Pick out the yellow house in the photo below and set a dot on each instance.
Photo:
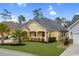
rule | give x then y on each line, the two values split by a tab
40	29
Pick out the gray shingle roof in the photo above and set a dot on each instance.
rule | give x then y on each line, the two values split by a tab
49	24
12	25
46	23
23	25
75	18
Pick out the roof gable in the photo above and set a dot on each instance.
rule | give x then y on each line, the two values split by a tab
49	24
35	26
46	23
75	18
74	21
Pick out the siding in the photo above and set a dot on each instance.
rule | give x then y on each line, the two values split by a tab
35	27
54	34
74	29
25	29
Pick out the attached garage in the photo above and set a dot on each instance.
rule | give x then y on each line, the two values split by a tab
75	37
74	30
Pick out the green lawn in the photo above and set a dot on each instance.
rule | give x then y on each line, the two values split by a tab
42	49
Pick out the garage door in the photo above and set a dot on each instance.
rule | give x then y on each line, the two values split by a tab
75	38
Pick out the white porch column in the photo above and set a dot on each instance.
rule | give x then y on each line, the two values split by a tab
57	36
45	37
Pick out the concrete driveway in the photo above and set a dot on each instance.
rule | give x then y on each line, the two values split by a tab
6	52
72	50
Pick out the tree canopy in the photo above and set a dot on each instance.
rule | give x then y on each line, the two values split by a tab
6	14
3	29
21	19
38	13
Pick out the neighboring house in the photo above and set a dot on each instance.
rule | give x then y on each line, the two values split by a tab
74	29
40	29
11	25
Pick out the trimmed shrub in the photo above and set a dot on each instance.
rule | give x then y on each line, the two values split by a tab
24	38
42	40
61	41
39	39
52	39
66	41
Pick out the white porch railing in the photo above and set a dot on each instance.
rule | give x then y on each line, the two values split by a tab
38	38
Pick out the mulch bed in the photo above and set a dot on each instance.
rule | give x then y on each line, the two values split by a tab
63	46
15	44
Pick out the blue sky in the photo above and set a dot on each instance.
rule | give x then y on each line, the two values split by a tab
50	10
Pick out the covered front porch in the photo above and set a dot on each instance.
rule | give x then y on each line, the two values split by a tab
39	36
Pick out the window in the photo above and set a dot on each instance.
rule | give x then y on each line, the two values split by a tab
43	34
63	34
30	33
34	33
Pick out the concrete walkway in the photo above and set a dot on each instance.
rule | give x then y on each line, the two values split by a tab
6	52
72	50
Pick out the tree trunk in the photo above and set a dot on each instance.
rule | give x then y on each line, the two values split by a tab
19	41
2	40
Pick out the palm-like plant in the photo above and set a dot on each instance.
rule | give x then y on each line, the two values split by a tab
58	20
3	29
67	23
24	36
18	35
21	19
6	14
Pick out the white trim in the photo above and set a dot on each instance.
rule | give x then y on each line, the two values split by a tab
73	24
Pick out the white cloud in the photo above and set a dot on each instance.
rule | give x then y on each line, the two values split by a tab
77	13
50	8
52	12
14	18
21	4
